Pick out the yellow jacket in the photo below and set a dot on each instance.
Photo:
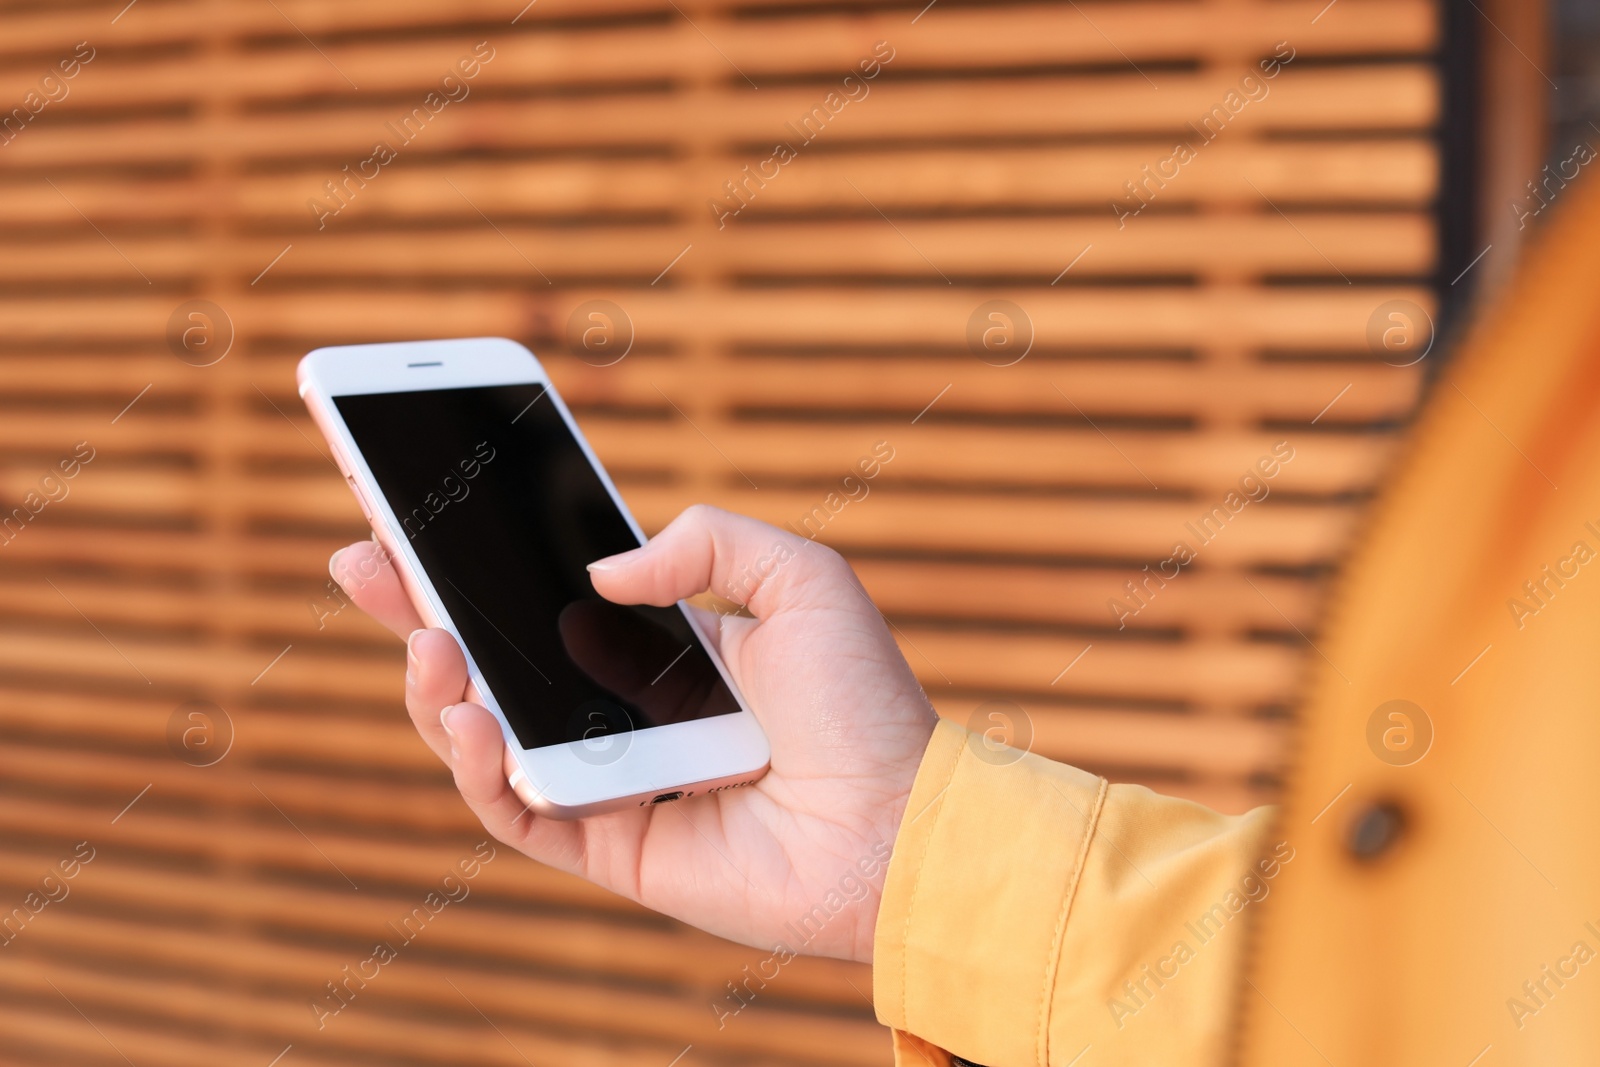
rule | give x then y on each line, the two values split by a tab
1430	891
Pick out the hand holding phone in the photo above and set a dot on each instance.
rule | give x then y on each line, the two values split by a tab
592	718
764	865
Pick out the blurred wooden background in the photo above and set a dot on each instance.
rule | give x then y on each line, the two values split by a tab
187	560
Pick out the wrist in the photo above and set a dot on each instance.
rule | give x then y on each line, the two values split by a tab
894	819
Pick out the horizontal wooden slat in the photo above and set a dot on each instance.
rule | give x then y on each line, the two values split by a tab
1141	743
1151	29
1073	453
1334	318
993	459
1391	98
1079	177
133	658
997	458
1243	672
1200	600
1285	533
165	549
1138	528
801	42
272	851
1263	243
841	382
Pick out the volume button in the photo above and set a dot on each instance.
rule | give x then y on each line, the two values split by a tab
361	498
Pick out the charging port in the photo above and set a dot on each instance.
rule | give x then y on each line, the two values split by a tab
664	797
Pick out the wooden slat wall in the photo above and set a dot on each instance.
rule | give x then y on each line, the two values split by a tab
830	314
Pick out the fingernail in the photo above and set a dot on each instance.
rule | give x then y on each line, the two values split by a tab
444	720
621	559
412	662
333	563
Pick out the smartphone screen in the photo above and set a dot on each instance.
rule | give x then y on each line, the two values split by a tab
504	512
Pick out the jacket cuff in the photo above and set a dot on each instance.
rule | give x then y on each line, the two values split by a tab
1031	911
977	897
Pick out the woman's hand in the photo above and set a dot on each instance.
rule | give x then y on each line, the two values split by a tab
780	862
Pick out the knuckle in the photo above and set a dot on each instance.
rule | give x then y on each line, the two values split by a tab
825	561
423	716
699	514
503	832
480	792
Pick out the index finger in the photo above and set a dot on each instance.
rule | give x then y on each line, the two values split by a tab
364	571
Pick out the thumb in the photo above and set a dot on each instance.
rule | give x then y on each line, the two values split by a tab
736	557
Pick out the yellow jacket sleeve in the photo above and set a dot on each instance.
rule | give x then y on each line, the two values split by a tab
1034	914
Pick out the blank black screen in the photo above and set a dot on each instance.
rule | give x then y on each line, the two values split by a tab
504	511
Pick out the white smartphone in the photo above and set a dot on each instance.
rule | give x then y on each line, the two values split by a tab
490	504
